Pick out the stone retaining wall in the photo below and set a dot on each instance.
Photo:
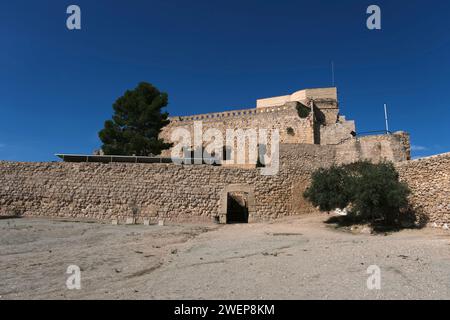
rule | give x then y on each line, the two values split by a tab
156	191
429	180
195	192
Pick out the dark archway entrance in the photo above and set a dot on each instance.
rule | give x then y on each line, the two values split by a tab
242	200
237	207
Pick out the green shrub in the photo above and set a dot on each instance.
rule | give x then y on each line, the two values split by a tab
378	194
290	131
303	111
373	192
328	189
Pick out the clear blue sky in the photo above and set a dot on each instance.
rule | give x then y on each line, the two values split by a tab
57	86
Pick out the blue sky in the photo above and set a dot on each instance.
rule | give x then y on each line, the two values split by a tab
57	86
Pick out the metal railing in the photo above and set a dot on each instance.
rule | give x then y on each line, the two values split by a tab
361	134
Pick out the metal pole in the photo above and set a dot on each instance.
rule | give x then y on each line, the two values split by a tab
332	73
386	118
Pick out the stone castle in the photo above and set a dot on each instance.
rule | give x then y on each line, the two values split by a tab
313	135
322	124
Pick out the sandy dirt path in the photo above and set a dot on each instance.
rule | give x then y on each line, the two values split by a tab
298	258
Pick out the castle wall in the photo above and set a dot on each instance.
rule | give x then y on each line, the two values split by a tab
429	180
325	126
198	192
326	111
280	118
299	96
156	191
376	148
195	192
274	101
336	133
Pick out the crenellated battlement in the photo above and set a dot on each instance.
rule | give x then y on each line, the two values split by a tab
218	116
326	98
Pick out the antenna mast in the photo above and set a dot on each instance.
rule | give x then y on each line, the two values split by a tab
386	118
332	73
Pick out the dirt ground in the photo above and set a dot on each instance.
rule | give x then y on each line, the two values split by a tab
298	258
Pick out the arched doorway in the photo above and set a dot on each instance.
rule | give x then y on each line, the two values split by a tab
237	204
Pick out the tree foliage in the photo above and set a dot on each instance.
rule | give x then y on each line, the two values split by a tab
329	189
372	192
303	111
137	121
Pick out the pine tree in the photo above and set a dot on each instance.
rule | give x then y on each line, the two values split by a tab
136	123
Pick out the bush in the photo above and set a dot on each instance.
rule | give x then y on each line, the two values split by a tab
373	192
290	131
303	111
328	189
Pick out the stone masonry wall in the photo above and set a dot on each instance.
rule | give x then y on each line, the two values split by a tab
336	133
195	192
429	180
376	148
280	118
155	191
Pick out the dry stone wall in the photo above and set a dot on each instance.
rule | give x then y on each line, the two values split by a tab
156	191
195	192
429	180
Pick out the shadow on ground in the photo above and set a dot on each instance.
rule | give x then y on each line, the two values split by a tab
10	217
411	218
